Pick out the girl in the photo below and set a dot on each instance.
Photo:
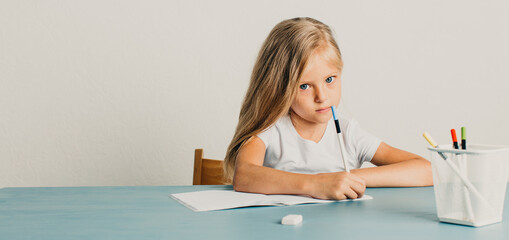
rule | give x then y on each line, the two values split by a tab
285	141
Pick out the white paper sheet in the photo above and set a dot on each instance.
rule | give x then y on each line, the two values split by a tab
225	199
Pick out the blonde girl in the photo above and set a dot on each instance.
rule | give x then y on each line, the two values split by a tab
285	140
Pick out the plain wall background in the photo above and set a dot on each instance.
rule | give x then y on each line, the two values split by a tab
122	92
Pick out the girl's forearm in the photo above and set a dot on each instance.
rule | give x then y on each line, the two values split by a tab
410	173
260	179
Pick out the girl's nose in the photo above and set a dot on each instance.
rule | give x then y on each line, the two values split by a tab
320	95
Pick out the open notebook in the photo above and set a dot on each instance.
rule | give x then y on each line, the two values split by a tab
225	199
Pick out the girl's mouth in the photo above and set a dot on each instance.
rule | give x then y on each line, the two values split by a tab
323	110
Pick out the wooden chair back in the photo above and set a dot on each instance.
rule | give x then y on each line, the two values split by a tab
207	171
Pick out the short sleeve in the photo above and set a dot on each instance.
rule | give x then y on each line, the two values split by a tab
361	143
266	136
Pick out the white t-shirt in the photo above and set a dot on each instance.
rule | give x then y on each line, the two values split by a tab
286	150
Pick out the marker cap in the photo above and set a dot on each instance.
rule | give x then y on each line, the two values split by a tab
429	139
453	133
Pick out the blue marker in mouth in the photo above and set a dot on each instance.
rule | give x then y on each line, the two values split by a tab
336	121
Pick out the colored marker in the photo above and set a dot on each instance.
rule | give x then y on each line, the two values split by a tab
454	139
340	139
463	138
461	166
433	144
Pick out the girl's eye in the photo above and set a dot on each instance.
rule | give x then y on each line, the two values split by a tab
329	79
304	86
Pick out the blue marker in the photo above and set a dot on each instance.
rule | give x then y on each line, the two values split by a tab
340	139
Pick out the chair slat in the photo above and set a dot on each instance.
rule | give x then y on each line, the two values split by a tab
207	171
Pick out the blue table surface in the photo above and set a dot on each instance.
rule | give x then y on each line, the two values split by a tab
148	212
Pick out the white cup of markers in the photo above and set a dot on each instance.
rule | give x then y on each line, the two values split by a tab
470	183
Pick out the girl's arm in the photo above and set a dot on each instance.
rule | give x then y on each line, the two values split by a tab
251	176
396	168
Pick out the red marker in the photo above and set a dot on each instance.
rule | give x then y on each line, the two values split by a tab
454	139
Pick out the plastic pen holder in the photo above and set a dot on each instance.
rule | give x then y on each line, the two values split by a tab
470	185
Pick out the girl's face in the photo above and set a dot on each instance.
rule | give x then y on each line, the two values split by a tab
319	89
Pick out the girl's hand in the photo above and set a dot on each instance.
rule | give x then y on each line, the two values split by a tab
337	186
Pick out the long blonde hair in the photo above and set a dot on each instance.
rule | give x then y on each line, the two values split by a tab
275	78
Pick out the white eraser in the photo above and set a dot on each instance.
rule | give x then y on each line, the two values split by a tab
292	219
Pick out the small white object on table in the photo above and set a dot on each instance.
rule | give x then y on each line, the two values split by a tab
291	219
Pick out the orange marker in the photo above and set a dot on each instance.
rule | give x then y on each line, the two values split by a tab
454	139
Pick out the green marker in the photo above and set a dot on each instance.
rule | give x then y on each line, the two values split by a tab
463	138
